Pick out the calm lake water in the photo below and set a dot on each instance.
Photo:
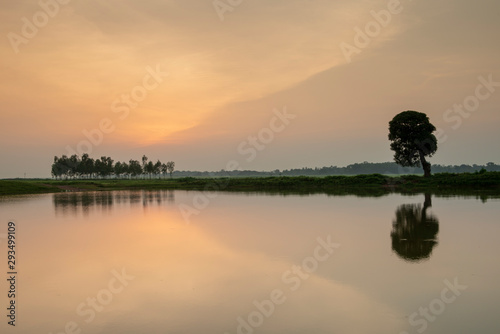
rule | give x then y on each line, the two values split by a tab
173	262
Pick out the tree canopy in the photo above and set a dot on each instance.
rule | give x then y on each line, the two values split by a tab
412	139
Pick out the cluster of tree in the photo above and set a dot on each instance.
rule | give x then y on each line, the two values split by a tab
105	167
353	169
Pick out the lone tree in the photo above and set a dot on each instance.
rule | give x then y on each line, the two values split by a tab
412	140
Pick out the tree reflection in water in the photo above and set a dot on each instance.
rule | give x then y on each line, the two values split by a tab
73	203
414	231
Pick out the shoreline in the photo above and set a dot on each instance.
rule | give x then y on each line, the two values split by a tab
364	183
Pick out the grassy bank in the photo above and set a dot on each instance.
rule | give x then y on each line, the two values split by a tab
371	183
17	187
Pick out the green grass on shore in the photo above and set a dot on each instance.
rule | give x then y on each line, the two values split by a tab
467	181
17	187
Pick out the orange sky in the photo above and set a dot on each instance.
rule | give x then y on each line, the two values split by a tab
225	78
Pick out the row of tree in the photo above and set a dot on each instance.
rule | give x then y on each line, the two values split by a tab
105	167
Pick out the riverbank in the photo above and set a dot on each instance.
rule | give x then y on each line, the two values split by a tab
327	184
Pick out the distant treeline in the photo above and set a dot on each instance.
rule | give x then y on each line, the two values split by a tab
86	167
353	169
105	167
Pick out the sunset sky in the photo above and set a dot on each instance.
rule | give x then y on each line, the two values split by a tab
191	80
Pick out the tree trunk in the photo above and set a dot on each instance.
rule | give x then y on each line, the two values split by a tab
427	204
426	165
428	201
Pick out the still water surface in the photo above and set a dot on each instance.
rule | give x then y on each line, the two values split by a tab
129	262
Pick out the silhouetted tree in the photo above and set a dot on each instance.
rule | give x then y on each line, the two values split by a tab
170	167
73	163
164	169
157	167
412	140
57	168
87	165
104	166
134	168
120	169
144	163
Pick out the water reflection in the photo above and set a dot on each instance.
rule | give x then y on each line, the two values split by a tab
414	231
240	250
72	203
